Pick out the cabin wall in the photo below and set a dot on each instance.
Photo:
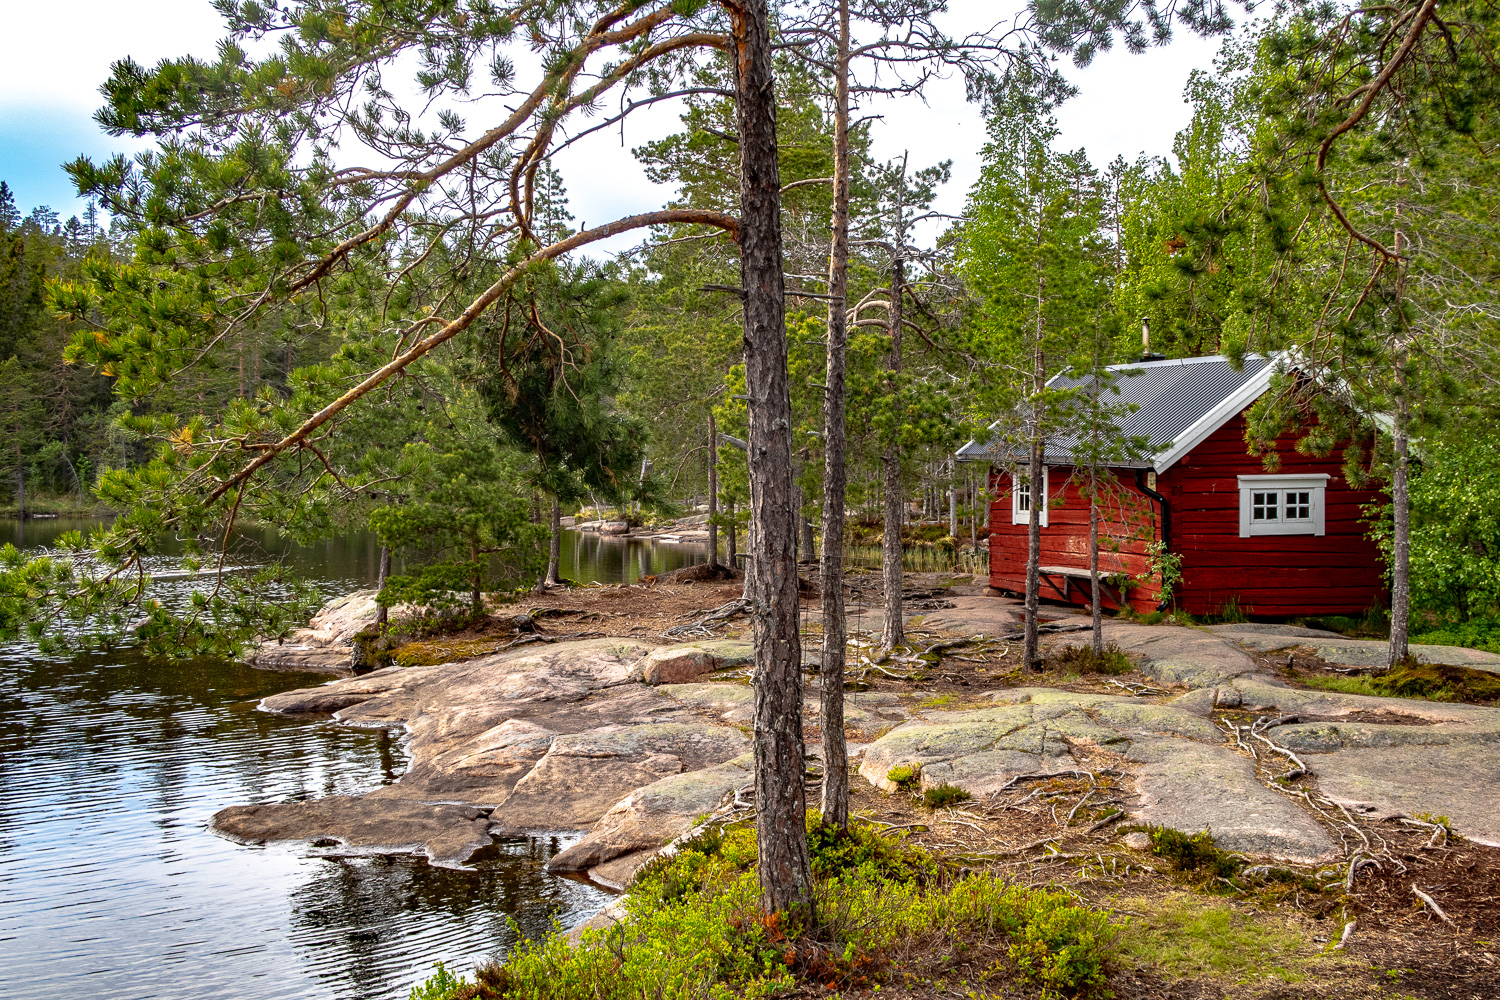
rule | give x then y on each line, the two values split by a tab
1128	524
1339	572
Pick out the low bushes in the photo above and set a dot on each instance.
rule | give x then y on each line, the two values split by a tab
1083	660
693	929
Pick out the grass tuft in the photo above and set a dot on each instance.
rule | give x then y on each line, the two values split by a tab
1083	660
939	796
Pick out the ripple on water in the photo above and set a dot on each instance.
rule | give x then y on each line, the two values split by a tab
110	886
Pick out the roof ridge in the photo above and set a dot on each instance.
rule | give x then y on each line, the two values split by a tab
1169	362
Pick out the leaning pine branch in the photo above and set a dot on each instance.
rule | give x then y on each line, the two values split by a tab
728	223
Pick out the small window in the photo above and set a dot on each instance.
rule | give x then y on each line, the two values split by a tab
1020	499
1282	505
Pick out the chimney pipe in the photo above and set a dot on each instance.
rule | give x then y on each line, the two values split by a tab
1145	334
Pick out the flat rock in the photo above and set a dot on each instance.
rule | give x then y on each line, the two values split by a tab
649	817
1176	654
1335	648
1458	782
583	775
1193	786
340	824
541	738
1187	777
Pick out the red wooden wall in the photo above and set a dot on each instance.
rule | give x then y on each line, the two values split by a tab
1338	572
1129	522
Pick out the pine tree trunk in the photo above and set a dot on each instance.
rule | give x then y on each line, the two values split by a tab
785	875
382	616
732	546
1033	552
1098	622
713	490
953	499
1038	490
554	547
807	545
894	632
1401	525
835	799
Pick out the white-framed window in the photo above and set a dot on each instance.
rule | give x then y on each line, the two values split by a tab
1020	499
1282	505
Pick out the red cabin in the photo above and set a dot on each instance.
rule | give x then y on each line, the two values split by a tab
1289	543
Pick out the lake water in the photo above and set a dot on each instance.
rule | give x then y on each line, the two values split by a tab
110	886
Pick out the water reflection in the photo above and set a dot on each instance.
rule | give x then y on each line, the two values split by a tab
590	558
110	766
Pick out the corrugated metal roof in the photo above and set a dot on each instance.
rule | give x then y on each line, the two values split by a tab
1169	399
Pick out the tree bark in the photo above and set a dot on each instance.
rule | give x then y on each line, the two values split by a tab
1401	524
894	632
382	574
713	490
1037	487
784	870
953	499
731	547
835	798
554	547
1098	620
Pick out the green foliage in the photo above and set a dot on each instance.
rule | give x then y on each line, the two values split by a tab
692	928
1164	567
1437	682
862	847
441	985
942	795
1455	523
1083	660
463	519
904	776
1476	633
1193	852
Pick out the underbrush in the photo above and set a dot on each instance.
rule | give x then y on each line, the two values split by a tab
1083	660
1194	853
1411	679
1476	633
692	928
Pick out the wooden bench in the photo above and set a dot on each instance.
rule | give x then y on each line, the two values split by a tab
1072	576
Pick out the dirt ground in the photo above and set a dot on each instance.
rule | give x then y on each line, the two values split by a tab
1187	935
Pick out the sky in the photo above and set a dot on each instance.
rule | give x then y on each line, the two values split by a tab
1127	105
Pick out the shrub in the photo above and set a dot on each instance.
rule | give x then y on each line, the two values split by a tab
1192	852
836	851
945	794
905	776
692	928
1083	660
1477	633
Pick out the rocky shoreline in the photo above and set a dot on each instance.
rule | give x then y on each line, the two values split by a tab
632	743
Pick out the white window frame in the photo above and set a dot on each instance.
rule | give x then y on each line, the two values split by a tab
1255	487
1019	515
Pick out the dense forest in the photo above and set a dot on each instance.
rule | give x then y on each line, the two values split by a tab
141	353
